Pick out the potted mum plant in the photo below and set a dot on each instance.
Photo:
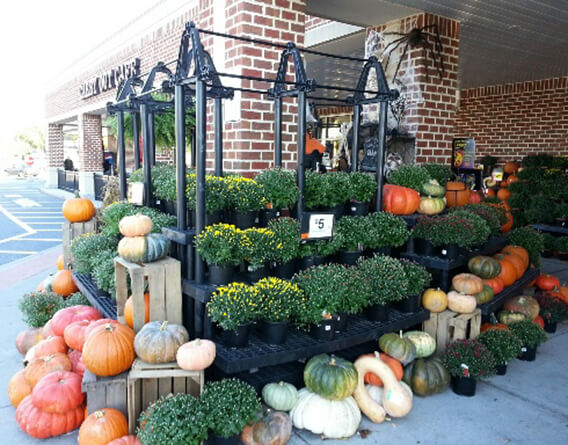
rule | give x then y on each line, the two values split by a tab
552	310
229	406
531	336
504	346
279	301
335	192
220	245
246	198
314	194
316	253
411	176
234	308
386	231
418	279
467	361
362	189
351	234
286	248
280	190
216	198
257	244
386	277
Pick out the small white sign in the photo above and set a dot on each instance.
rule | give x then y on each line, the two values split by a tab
137	193
321	226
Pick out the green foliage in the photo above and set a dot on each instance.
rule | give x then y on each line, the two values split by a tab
164	181
37	308
386	229
440	172
258	246
244	194
411	176
103	270
233	305
539	210
287	235
76	299
362	186
220	244
279	300
560	244
490	214
115	212
336	189
552	309
561	211
417	277
280	187
530	239
502	343
352	232
461	227
386	277
529	333
230	405
174	420
314	190
216	193
479	360
86	247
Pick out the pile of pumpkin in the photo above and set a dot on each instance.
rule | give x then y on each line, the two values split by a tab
138	244
377	385
61	282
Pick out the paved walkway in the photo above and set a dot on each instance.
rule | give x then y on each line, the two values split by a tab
527	406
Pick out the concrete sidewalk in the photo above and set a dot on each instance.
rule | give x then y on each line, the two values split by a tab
527	406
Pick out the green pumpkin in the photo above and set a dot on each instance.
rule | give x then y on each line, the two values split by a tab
486	295
426	376
424	343
484	267
433	188
159	341
398	347
280	396
330	377
508	317
431	206
143	249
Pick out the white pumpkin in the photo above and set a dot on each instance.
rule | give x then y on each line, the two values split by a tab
461	303
424	343
333	419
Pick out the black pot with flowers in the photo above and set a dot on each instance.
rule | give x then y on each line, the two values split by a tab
552	310
504	346
531	336
352	234
280	191
362	189
418	279
286	246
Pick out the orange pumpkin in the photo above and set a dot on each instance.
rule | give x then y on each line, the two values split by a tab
511	167
47	330
512	179
455	185
76	362
60	264
467	283
63	283
78	209
103	426
58	392
496	284
474	197
547	282
400	200
563	293
18	388
498	326
508	272
393	364
489	193
509	224
109	349
47	346
504	194
515	260
94	324
42	366
64	317
519	251
128	314
503	184
457	194
74	334
539	321
126	440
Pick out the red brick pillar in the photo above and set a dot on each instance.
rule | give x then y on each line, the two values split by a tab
90	152
55	153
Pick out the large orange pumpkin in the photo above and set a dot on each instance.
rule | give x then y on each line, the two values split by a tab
109	350
58	392
126	440
74	334
103	426
512	179
393	364
78	209
496	284
457	194
42	366
64	317
504	194
96	323
488	326
511	167
400	200
41	425
515	260
520	251
508	272
47	346
128	314
28	338
18	388
63	283
60	262
547	282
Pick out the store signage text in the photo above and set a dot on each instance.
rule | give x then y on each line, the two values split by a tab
109	79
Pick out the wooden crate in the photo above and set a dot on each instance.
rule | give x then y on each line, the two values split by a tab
448	326
164	286
105	392
71	231
148	382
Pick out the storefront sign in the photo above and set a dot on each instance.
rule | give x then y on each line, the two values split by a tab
109	79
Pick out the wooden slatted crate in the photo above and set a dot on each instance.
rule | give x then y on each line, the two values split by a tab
163	279
70	231
105	392
148	382
448	326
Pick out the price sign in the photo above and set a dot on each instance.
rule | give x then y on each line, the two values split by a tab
321	225
137	197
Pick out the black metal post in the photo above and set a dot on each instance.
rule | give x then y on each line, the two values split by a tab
193	149
218	137
383	109
301	151
200	124
179	101
355	142
152	138
136	140
278	132
121	155
146	155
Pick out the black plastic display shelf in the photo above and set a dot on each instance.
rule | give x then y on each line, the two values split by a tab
300	345
509	292
551	229
99	299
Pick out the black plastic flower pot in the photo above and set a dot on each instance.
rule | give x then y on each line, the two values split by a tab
348	257
561	222
464	386
210	218
386	250
244	220
409	304
285	270
307	262
238	338
501	369
450	251
338	211
550	327
320	259
358	208
377	312
528	354
221	274
257	274
423	247
272	332
265	215
218	440
341	321
325	331
170	207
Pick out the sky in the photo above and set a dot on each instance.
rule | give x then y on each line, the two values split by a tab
39	39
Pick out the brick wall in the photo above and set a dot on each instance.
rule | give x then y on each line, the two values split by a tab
513	120
90	143
315	22
55	145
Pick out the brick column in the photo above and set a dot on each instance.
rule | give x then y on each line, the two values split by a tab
434	100
90	152
55	153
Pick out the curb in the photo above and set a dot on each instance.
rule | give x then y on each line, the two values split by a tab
64	195
24	268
